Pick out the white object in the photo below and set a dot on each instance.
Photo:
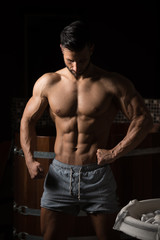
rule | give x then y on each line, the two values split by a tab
129	219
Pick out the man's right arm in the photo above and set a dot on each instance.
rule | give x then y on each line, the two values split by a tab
32	112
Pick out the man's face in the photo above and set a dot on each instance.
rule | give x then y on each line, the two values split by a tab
77	62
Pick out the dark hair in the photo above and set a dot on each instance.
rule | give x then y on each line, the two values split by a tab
75	36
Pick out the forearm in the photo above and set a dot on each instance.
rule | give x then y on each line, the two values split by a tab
28	139
137	131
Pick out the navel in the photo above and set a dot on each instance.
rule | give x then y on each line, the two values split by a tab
75	149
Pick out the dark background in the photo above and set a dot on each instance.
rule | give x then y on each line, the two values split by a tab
125	36
126	41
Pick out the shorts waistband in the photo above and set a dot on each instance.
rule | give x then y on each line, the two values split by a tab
88	167
76	168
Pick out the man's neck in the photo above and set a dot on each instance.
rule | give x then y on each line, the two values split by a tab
86	74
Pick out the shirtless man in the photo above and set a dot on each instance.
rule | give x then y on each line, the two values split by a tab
83	101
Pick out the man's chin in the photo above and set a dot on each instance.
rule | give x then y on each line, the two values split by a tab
76	75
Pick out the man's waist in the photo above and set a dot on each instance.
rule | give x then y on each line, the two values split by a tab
76	159
86	167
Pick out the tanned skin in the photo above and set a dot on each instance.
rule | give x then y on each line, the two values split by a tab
83	101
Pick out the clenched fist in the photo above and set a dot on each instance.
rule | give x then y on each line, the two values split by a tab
105	156
35	170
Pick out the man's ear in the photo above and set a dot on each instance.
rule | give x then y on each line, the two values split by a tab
62	48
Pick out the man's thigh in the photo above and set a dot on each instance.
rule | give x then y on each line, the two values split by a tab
56	225
103	225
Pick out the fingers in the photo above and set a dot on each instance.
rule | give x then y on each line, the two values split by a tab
104	156
39	172
100	157
36	171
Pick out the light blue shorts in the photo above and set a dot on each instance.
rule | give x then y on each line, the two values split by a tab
69	189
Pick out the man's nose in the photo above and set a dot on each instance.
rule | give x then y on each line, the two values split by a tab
75	67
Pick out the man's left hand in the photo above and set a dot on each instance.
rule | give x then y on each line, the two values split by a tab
105	156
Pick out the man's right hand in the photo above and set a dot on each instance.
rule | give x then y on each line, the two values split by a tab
35	170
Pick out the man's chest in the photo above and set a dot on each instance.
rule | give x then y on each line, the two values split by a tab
88	100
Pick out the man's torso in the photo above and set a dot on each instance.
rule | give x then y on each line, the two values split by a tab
83	112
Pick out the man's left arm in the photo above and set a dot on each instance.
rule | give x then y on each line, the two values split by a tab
134	108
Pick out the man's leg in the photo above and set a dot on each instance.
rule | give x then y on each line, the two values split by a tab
103	225
55	225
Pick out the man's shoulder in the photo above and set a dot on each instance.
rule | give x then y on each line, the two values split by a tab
54	77
114	82
106	75
46	81
114	79
49	78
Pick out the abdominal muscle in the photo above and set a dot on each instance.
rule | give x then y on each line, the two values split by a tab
75	153
76	147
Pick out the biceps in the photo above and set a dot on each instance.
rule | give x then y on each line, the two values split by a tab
34	108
